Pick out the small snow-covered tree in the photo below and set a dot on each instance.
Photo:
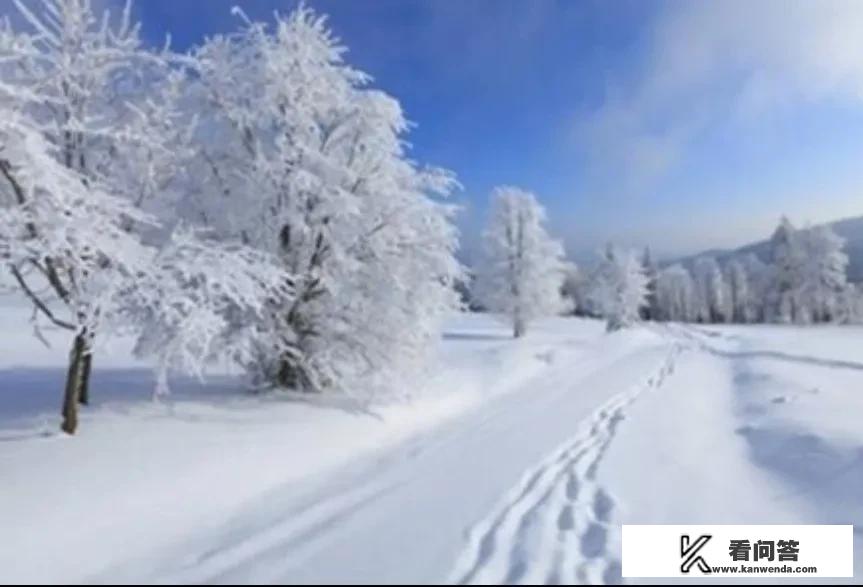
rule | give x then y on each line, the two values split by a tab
619	289
823	271
299	158
522	269
651	272
675	295
808	274
711	290
786	259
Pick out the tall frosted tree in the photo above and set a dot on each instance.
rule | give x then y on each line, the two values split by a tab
70	76
91	152
824	278
807	274
301	159
253	200
619	291
65	242
522	270
784	303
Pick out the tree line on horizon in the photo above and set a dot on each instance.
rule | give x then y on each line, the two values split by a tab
522	273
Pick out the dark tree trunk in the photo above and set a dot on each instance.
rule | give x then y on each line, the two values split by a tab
288	375
75	383
292	375
84	397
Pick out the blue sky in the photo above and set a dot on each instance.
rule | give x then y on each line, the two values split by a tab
679	125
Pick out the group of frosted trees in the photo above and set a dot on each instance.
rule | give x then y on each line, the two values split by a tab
801	280
523	275
249	200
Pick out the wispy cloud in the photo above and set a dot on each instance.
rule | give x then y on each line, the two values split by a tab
730	61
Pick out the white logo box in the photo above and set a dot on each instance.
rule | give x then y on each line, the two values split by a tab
664	550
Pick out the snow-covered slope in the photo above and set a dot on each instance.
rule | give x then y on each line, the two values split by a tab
142	476
515	462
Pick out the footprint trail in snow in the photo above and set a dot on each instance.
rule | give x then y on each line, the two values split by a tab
558	526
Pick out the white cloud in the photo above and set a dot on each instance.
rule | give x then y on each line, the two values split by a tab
706	61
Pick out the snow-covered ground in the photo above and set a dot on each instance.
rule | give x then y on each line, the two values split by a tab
515	461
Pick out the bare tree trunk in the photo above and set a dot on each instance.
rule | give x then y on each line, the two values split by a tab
84	396
74	383
288	376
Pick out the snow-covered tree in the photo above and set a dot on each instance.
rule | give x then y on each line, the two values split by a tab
522	269
823	273
710	290
808	274
92	146
65	81
65	242
253	200
299	158
675	295
619	289
651	272
786	259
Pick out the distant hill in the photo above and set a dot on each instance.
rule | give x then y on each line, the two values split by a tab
851	229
